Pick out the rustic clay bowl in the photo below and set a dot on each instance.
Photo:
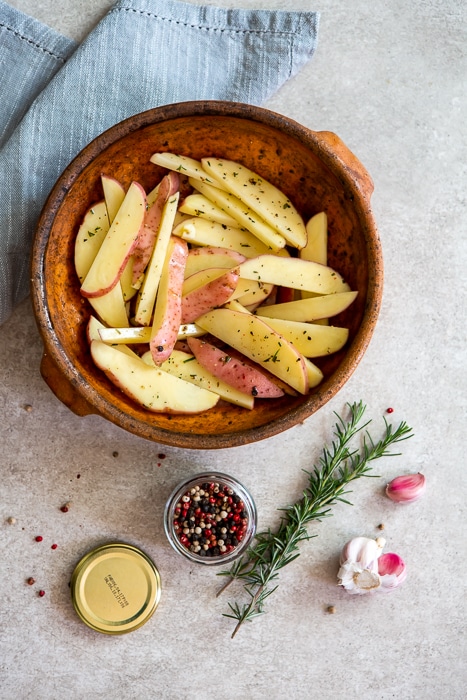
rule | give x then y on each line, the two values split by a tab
315	169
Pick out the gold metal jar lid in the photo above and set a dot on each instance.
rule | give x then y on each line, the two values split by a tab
115	588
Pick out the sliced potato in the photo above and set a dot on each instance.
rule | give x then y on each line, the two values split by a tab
186	366
142	334
233	370
209	257
111	307
260	195
168	187
258	341
168	307
184	166
294	273
201	278
316	248
250	292
198	205
211	295
151	387
244	215
311	339
94	329
307	310
147	296
117	246
210	233
90	237
314	374
114	194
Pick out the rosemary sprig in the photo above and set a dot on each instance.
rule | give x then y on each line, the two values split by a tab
338	466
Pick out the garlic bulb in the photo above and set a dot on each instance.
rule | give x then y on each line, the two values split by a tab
406	489
365	569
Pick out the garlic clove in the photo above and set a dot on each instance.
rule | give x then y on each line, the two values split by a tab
365	569
392	571
356	580
363	551
406	489
358	572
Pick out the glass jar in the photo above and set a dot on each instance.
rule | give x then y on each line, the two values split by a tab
210	518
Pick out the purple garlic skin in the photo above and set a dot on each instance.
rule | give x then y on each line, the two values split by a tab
407	488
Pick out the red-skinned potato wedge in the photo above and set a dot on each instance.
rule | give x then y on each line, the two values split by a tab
146	298
150	386
117	246
168	309
256	340
238	373
208	297
183	364
168	186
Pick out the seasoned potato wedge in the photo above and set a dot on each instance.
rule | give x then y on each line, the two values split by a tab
151	387
255	339
265	199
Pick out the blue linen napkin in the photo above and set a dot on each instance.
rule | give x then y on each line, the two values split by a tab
57	96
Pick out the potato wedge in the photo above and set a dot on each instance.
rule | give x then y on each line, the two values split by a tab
168	308
251	336
314	374
208	257
117	246
234	371
249	292
93	331
307	310
150	387
168	187
316	248
198	205
111	307
183	165
293	273
245	216
89	238
142	334
310	339
210	233
209	296
263	197
147	295
185	366
114	194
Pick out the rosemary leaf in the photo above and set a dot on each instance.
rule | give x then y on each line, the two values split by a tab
327	484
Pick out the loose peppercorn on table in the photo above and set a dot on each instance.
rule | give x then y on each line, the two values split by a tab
389	80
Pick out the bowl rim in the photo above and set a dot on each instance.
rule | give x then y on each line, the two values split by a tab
323	145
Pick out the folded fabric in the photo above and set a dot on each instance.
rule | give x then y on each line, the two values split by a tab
57	96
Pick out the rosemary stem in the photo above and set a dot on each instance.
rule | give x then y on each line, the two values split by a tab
327	482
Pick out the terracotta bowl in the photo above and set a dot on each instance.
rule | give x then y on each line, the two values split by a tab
315	169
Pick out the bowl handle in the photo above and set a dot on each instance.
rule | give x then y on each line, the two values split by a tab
348	160
63	390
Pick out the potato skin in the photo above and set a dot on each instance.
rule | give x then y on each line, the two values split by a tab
209	296
234	371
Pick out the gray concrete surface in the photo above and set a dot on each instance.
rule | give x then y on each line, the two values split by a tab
389	78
